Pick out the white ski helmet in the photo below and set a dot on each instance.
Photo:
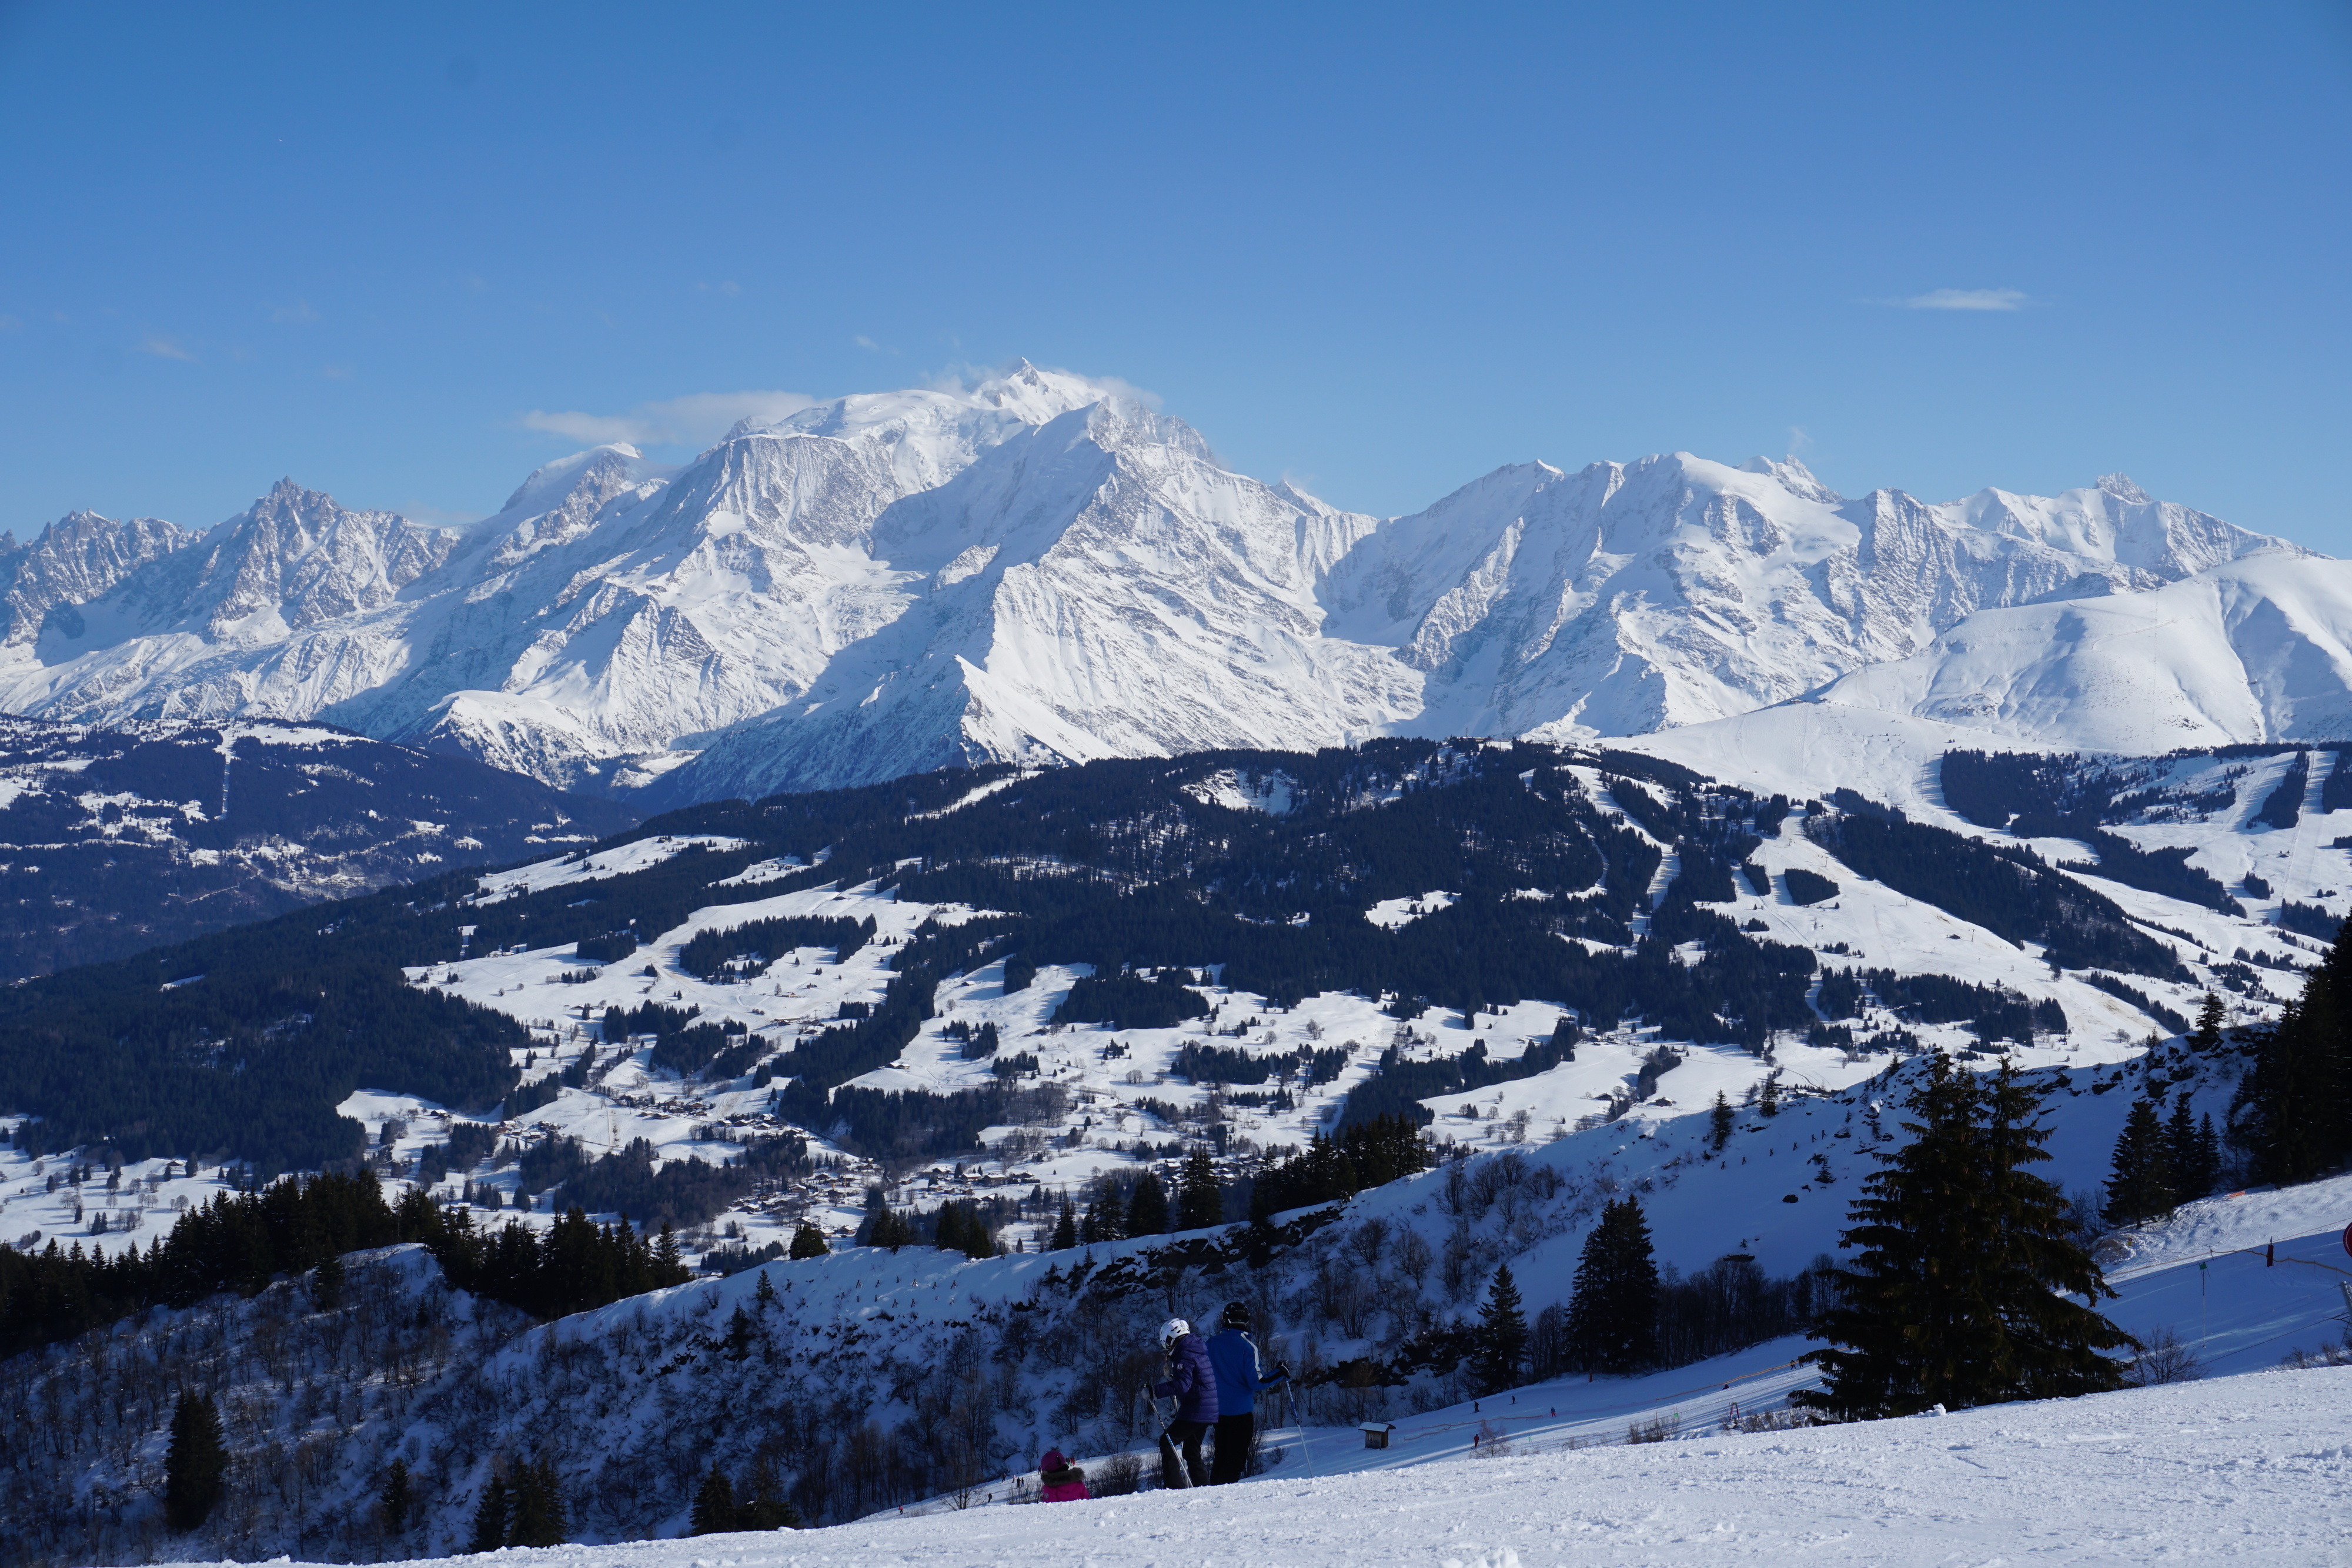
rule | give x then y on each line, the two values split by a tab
1171	1331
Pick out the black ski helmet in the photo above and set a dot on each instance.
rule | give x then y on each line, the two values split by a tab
1236	1316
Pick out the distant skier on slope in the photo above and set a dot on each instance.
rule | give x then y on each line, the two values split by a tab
1194	1383
1240	1379
1063	1481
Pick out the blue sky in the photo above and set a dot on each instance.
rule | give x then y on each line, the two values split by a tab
395	252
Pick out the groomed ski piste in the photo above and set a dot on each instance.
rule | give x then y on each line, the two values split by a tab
2246	1461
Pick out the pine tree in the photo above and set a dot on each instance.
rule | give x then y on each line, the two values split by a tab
490	1516
763	1294
2206	1038
2141	1185
1199	1201
714	1505
2184	1153
396	1498
669	1269
327	1284
1613	1309
196	1464
537	1507
1065	1229
808	1241
1502	1334
1719	1122
764	1506
1768	1103
1109	1215
2298	1097
1964	1265
1146	1209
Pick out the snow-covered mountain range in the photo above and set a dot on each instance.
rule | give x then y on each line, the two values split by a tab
1039	569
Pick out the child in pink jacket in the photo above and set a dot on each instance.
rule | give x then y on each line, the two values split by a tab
1062	1480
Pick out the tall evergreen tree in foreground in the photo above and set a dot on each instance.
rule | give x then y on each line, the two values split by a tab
1612	1312
196	1464
2294	1109
1960	1291
1502	1334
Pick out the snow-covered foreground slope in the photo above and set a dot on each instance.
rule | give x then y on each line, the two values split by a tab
2250	1469
1039	567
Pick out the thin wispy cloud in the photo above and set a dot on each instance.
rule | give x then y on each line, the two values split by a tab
1969	299
166	349
862	341
298	312
696	420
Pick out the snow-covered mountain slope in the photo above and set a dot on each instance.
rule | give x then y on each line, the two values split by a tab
116	840
78	559
2252	650
1041	568
864	1375
1627	598
609	608
1096	587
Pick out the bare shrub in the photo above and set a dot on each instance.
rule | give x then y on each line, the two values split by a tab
2163	1358
1656	1429
2336	1354
1117	1476
1412	1258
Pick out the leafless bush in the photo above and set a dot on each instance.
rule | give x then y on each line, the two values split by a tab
2163	1359
1657	1429
1412	1258
1117	1476
2336	1354
1780	1420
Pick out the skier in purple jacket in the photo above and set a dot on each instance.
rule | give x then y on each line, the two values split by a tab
1194	1382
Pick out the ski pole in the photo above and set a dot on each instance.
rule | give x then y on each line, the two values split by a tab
1305	1452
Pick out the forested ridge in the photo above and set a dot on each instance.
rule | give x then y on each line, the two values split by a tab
239	1045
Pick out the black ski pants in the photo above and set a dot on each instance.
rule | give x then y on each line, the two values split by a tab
1233	1434
1191	1469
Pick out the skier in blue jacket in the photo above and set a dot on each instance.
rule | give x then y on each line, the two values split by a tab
1194	1382
1240	1379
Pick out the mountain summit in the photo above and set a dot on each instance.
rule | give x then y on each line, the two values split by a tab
1041	568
